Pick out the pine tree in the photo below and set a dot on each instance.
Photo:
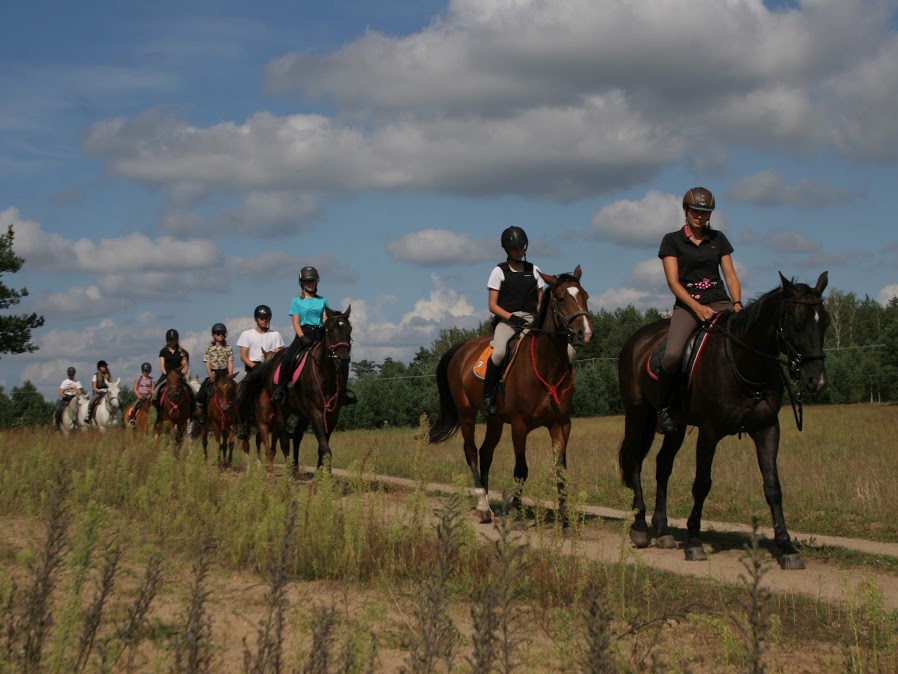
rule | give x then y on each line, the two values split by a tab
15	331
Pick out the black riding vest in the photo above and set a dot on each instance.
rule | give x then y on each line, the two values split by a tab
518	291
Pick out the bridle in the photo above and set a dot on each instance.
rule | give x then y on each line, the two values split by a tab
330	404
564	321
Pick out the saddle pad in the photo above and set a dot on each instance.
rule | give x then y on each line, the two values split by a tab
480	365
296	372
691	353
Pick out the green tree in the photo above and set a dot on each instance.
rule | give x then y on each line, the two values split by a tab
15	331
28	407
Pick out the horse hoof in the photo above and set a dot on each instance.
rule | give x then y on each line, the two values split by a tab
791	562
696	554
641	539
666	542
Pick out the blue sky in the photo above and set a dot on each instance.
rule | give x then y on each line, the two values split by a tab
175	164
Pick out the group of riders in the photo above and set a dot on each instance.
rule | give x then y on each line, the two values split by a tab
697	265
307	312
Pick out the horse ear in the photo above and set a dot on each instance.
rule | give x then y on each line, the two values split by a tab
821	282
346	313
548	278
786	283
118	381
578	273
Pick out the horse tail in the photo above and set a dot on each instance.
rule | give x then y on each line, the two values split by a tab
447	422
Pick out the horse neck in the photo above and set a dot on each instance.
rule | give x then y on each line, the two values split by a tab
555	334
762	334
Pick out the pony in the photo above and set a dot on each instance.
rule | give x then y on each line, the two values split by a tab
221	413
315	398
108	411
736	387
74	414
142	418
538	384
175	405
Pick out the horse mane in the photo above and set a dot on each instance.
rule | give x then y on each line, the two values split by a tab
741	323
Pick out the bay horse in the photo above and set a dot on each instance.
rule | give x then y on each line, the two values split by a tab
221	413
736	386
108	411
142	418
315	398
538	383
175	404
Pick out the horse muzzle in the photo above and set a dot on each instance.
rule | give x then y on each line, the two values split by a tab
813	376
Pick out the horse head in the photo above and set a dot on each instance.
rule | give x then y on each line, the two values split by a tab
174	380
801	331
112	400
569	306
338	334
225	389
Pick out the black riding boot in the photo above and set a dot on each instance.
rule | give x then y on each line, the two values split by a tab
666	390
490	384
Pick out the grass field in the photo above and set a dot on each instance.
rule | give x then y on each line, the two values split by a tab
115	556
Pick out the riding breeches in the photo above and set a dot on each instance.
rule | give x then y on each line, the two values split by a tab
505	332
682	324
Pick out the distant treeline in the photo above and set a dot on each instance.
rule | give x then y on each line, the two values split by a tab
861	360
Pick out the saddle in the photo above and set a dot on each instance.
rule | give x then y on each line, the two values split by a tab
510	352
691	353
92	407
297	369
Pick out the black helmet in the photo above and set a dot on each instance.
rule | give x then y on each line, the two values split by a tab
514	237
219	327
308	274
699	199
262	311
70	372
102	363
171	335
146	367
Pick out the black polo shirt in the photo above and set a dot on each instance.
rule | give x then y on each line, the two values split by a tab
173	359
699	266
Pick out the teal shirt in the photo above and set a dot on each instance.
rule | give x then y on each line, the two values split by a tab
309	310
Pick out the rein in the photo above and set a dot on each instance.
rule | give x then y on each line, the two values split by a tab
792	363
565	322
328	404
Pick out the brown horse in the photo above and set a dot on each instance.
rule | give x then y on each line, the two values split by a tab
176	405
221	414
317	396
736	386
142	418
538	386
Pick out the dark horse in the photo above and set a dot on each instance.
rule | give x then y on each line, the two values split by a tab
176	405
538	390
220	415
737	386
317	396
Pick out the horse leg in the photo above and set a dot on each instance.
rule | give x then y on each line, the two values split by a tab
324	448
560	434
480	470
639	433
298	431
705	447
767	442
663	468
519	439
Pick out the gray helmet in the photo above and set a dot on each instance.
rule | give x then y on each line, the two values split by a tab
262	311
514	237
146	367
699	199
171	335
70	372
219	327
308	274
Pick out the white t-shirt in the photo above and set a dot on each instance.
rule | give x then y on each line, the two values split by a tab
257	342
70	387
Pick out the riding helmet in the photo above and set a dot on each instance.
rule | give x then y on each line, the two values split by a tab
146	367
308	274
171	335
262	311
699	199
219	327
102	363
70	372
514	237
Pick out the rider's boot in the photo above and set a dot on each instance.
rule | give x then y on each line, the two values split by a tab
200	415
666	390
490	384
280	393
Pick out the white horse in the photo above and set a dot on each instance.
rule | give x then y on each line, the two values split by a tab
109	410
74	414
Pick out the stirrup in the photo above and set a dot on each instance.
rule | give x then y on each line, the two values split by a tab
280	393
666	422
349	398
489	406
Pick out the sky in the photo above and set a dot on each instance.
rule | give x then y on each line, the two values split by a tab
174	164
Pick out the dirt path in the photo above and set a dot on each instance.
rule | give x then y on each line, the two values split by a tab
604	539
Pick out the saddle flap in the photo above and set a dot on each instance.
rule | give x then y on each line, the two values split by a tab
480	365
691	352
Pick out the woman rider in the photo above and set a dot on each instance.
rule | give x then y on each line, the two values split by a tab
217	356
694	258
171	357
143	389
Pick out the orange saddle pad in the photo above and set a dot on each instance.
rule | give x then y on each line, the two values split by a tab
480	365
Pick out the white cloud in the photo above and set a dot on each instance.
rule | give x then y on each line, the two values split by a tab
639	223
439	246
281	263
648	274
886	294
265	214
616	298
132	253
791	242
